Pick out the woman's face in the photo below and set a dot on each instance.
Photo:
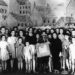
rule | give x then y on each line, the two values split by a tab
26	29
3	30
52	31
61	31
3	38
30	30
7	31
15	29
57	30
54	36
21	33
37	35
47	30
49	36
13	33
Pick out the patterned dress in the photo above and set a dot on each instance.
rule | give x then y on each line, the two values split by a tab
19	51
4	54
12	42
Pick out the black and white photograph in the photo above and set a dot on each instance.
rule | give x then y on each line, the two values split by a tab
37	37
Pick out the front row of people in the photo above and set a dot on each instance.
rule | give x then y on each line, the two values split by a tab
12	48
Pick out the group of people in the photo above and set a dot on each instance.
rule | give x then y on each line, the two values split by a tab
37	49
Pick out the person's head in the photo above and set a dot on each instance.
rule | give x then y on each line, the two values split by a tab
15	28
37	36
27	43
49	36
3	30
52	30
47	30
43	34
61	31
20	40
12	33
57	30
30	30
21	33
3	37
26	29
54	35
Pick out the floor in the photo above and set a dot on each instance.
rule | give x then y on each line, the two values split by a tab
19	73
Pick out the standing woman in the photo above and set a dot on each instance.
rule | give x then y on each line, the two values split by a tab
37	44
65	51
56	48
4	51
12	41
21	34
32	40
61	34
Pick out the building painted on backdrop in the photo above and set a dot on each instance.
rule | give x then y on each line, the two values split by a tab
3	12
23	16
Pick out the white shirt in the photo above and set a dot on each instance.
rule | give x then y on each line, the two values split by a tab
27	50
11	40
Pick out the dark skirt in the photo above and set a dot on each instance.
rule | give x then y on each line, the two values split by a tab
43	59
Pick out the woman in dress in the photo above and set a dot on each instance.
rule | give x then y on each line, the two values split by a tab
21	34
56	48
12	41
19	53
4	51
65	51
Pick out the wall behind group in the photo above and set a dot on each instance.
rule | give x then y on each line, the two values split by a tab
60	8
